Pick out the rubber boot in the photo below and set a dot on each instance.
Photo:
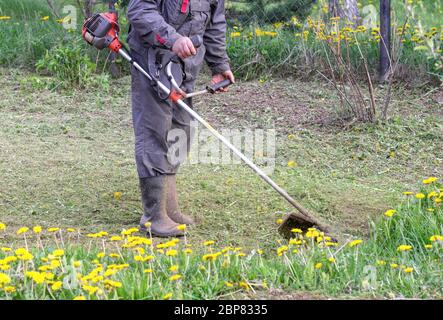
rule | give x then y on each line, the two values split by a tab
172	207
154	198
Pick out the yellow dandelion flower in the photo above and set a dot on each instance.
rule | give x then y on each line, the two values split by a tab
58	252
56	285
4	279
318	265
404	247
45	18
296	230
408	270
430	180
5	17
171	253
428	246
53	229
6	249
244	285
37	229
70	229
408	193
167	296
173	268
381	262
331	259
2	226
187	251
229	284
390	213
175	277
355	243
279	221
116	238
436	237
22	230
79	298
394	265
117	195
77	264
181	227
209	243
420	195
291	164
9	289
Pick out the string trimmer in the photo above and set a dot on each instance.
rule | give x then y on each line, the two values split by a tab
101	31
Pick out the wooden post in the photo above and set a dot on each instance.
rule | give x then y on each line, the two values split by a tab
385	41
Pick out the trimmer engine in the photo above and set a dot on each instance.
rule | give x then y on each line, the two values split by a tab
101	31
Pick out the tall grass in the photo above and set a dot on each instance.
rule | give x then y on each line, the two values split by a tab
401	258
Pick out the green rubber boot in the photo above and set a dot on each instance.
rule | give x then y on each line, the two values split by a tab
154	198
172	207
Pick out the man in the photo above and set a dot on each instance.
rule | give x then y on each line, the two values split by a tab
169	24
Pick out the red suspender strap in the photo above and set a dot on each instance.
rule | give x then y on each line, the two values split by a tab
184	6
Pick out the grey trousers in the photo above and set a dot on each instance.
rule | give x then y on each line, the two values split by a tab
162	129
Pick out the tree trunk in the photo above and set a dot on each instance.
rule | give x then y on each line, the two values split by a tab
335	9
351	11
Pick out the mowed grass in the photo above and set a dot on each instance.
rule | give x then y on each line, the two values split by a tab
65	154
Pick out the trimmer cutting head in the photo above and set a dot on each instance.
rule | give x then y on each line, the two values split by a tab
298	221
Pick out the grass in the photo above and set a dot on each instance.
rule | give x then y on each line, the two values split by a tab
401	259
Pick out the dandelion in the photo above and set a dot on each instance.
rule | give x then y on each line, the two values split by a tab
4	279
173	268
235	34
435	238
77	264
381	262
79	298
2	226
279	221
244	285
167	296
408	270
394	265
147	271
53	229
291	164
282	250
208	243
9	289
45	18
331	259
58	252
229	284
390	213
37	229
355	243
70	230
430	180
6	249
296	230
428	246
408	193
175	277
187	251
420	195
5	17
404	247
22	230
181	227
171	253
117	195
56	285
116	238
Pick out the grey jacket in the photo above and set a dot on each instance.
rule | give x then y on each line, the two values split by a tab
162	22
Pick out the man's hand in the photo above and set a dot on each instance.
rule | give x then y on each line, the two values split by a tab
184	48
222	76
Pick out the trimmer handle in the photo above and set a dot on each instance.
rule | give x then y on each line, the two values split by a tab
197	41
213	88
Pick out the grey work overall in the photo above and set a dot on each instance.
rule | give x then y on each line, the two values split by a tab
161	23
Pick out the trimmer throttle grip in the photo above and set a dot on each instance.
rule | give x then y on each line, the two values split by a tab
213	88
